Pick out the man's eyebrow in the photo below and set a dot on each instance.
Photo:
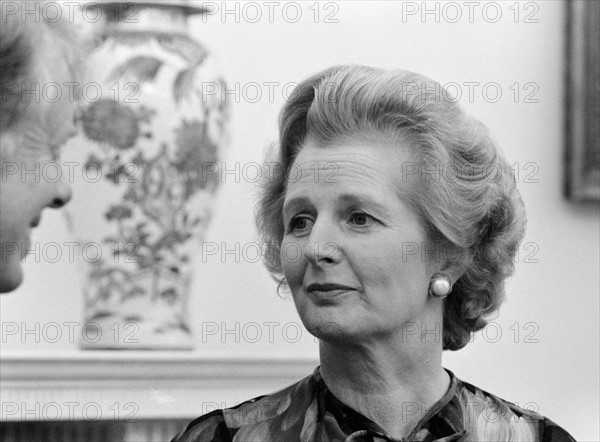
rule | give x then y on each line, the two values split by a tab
72	133
64	136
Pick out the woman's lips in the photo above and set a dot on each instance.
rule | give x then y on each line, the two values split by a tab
327	290
327	293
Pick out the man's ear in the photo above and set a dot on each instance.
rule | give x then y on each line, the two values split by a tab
8	145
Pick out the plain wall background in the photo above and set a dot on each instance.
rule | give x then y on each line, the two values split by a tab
553	297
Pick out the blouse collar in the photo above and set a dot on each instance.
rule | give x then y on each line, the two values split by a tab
442	423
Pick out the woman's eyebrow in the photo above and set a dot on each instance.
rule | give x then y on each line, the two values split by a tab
362	200
294	203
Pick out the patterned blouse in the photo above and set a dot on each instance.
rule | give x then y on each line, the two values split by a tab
307	411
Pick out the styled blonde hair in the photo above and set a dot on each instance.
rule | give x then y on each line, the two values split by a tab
473	212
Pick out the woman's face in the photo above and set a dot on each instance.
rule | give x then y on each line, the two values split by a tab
354	253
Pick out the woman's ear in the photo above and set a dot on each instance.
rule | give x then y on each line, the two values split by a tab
456	264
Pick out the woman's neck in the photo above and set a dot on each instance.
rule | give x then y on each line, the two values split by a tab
394	387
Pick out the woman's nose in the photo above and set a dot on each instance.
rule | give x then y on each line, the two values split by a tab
323	245
62	195
323	253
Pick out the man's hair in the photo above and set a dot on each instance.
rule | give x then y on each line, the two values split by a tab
30	45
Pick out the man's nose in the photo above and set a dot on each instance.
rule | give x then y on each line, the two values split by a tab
62	195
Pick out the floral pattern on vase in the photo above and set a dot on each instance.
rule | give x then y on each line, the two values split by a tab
153	155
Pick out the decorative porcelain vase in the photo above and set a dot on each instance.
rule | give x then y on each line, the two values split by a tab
149	157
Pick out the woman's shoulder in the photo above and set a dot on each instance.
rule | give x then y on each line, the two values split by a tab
489	417
292	414
256	419
208	427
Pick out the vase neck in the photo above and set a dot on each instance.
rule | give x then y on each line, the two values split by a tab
147	18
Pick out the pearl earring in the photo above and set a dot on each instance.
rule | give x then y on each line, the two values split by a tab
440	286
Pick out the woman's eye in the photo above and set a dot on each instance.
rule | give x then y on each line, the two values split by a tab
299	223
361	219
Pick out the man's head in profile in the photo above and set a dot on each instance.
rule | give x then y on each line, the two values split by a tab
36	55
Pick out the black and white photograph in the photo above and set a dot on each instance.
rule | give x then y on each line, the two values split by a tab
300	221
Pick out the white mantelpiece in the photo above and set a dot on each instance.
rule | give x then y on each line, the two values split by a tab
135	386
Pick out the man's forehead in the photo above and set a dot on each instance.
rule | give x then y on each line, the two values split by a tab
61	126
55	120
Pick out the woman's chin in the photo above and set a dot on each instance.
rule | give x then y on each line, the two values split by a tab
332	330
330	322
